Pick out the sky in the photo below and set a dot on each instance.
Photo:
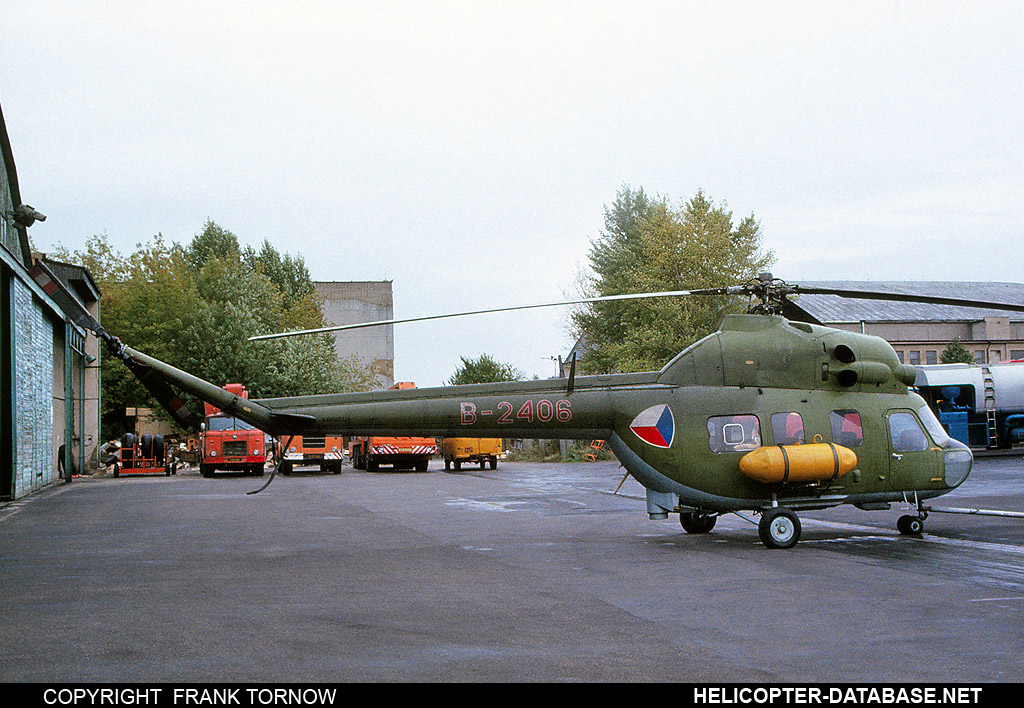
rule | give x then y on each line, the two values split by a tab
466	151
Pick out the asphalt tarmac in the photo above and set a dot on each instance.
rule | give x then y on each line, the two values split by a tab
531	572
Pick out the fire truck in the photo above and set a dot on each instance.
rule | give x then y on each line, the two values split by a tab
229	444
323	450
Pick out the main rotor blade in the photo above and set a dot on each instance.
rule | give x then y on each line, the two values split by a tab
907	297
582	301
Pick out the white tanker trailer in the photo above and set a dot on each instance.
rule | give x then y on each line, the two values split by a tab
979	405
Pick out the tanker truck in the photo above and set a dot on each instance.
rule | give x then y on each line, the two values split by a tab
981	405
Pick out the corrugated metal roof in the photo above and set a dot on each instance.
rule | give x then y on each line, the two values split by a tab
833	308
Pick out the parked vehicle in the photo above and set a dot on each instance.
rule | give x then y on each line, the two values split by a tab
325	451
981	405
230	444
456	451
369	453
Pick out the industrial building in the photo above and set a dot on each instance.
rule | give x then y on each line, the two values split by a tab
49	370
362	301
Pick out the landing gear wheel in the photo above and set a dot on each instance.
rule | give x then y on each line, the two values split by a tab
697	521
910	525
779	528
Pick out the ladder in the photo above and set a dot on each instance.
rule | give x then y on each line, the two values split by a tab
990	406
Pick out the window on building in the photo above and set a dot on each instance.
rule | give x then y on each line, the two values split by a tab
899	355
1017	353
931	357
915	358
979	356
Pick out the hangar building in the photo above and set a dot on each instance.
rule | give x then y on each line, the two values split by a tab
920	332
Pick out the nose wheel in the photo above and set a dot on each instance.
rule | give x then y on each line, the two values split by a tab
779	528
910	525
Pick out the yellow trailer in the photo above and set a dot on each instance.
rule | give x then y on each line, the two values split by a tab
455	451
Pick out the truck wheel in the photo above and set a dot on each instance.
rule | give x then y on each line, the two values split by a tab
146	445
447	463
205	469
286	467
494	463
158	448
421	466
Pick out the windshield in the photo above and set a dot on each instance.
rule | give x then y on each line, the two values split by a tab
934	427
221	422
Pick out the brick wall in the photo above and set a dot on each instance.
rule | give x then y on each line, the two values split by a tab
33	376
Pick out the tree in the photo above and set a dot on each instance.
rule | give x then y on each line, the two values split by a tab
956	353
483	369
649	246
195	307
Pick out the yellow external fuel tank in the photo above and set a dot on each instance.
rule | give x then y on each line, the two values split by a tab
815	462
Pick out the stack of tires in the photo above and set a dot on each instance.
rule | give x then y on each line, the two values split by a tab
135	448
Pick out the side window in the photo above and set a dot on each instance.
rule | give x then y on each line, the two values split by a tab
787	428
732	433
846	428
906	434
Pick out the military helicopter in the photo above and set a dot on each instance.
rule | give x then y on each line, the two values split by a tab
769	415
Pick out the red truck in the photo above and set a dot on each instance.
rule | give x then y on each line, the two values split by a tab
229	444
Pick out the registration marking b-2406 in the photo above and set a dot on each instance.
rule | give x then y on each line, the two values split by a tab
542	411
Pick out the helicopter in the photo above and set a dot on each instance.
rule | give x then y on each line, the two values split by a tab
770	415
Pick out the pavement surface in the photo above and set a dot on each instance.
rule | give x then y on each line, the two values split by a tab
531	572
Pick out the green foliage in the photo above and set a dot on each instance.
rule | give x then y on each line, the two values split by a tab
650	246
195	307
956	353
483	369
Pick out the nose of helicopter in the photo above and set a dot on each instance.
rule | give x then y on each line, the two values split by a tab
957	462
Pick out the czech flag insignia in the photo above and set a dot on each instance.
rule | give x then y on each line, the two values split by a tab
655	426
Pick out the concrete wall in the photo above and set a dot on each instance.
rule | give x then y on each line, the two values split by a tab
361	301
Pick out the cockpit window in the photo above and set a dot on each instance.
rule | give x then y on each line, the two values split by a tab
933	426
906	433
846	428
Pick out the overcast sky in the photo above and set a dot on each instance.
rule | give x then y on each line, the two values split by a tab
466	150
